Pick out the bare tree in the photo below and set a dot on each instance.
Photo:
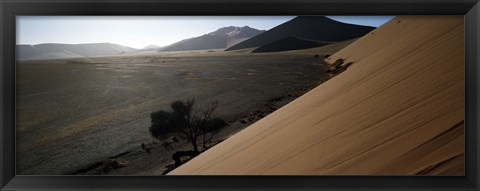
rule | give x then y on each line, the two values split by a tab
192	122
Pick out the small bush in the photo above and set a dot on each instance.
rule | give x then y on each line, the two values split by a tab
188	121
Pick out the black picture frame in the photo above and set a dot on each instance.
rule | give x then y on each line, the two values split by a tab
9	9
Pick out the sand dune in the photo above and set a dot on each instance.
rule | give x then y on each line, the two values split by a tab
290	43
318	28
397	110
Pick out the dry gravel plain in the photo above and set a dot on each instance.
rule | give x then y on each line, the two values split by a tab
72	114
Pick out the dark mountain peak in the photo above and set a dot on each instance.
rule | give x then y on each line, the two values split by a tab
317	17
316	20
317	28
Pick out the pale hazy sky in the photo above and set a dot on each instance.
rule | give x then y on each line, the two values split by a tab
141	31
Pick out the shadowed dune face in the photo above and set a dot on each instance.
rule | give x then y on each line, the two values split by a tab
314	28
290	43
397	110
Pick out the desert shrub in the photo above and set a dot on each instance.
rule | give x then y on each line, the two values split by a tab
161	124
184	119
215	124
212	127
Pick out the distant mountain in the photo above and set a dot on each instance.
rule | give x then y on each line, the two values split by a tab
236	32
221	38
290	43
56	51
151	47
316	28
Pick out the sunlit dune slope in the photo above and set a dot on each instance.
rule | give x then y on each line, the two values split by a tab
397	110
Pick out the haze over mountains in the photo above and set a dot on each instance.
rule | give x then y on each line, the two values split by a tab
57	51
314	28
220	38
151	47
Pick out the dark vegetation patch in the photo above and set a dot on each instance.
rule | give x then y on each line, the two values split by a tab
189	121
338	66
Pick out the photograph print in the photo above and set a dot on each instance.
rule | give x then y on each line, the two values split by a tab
240	95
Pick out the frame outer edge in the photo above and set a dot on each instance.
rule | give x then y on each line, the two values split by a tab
477	44
7	140
472	94
2	127
475	62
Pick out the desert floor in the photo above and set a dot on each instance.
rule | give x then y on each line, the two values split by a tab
73	115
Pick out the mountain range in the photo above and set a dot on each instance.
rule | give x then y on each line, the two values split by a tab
221	38
299	33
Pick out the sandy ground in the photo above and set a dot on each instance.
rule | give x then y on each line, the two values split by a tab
75	114
159	158
397	110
